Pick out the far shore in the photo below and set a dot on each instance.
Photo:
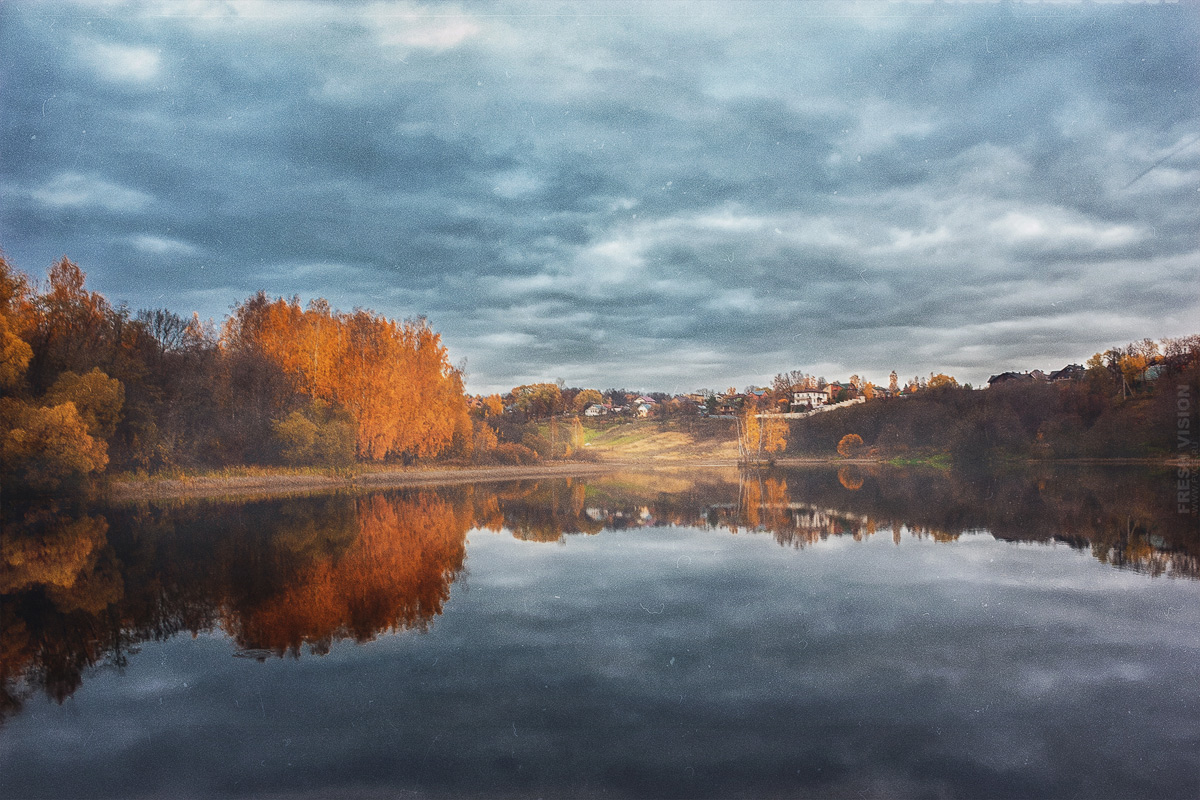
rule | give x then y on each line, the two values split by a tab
268	483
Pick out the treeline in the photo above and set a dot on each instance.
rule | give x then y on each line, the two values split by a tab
85	386
1110	411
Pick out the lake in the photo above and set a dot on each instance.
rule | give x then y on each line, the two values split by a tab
692	633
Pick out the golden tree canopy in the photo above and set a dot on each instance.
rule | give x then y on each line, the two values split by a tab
850	445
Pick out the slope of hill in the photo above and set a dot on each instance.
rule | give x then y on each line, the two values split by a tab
694	440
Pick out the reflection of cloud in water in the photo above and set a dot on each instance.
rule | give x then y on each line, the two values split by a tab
602	664
283	576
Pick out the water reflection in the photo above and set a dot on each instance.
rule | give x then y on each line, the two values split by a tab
275	576
81	589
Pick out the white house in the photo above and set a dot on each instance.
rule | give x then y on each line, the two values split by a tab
812	399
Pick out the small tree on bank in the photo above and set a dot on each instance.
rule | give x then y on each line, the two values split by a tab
850	446
760	434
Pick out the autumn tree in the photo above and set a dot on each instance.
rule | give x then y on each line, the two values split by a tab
1132	361
46	448
850	445
785	384
491	406
1182	350
69	327
15	352
759	434
98	400
484	440
575	443
394	378
318	434
587	397
538	400
57	440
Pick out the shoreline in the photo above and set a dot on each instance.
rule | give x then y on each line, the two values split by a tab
124	490
278	484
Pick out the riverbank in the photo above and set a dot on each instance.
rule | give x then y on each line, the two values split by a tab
269	483
641	445
123	489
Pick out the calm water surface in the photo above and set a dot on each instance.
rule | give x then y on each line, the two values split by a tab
805	633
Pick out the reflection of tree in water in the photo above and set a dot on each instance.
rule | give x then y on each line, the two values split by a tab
764	504
850	478
1124	516
83	592
543	511
80	590
57	579
394	575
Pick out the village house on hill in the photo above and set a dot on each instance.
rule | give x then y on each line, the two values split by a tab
842	391
808	399
1071	372
730	404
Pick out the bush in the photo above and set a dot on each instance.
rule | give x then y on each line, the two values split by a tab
851	445
537	443
317	435
509	453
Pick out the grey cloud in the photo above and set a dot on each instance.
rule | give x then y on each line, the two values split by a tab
758	186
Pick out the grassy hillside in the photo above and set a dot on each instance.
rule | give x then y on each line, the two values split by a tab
687	439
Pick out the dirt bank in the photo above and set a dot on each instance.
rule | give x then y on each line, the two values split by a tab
236	486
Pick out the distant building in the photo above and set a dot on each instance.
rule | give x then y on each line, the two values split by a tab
1071	372
730	404
834	389
809	398
1010	377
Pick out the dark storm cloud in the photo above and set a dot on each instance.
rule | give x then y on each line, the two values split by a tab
662	196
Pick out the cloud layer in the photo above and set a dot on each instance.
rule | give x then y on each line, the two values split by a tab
662	196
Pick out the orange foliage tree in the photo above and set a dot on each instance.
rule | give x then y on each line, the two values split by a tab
850	445
46	448
56	442
759	434
394	378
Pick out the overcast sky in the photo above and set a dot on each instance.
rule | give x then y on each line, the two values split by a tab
660	196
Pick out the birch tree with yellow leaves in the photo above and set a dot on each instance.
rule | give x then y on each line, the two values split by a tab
760	435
